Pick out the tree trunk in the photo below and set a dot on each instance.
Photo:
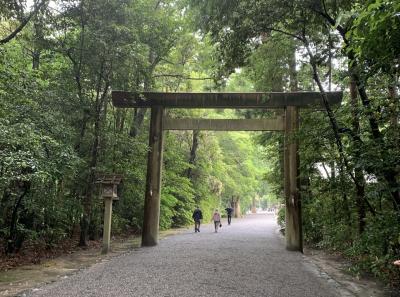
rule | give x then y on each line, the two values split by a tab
193	152
38	37
360	200
394	100
394	127
293	72
35	59
137	122
120	120
83	125
13	233
358	170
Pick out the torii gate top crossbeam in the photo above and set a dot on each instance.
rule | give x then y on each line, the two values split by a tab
222	100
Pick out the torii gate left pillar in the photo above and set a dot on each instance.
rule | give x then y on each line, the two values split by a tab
153	180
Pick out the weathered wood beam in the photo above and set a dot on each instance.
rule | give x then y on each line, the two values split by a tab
276	124
221	100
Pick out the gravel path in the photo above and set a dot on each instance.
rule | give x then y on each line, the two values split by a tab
247	258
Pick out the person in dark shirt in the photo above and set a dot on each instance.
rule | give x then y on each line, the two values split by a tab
229	212
197	217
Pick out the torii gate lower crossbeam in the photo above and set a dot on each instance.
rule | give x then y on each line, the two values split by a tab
290	102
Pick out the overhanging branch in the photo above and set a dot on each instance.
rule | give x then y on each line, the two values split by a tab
22	24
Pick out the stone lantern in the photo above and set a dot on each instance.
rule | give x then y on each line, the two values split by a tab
109	184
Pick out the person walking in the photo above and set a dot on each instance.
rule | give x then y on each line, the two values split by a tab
229	211
197	217
217	220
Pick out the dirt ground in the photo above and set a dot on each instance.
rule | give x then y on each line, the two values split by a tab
336	270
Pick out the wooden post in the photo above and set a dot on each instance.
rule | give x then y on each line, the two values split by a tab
293	229
153	181
107	224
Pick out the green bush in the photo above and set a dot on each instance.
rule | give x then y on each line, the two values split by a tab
119	225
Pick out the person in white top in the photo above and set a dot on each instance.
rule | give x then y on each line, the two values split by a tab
217	220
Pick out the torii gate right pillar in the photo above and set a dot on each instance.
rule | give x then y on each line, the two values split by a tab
293	228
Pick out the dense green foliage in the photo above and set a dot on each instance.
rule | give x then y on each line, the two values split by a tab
350	177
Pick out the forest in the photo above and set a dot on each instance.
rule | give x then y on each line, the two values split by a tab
60	60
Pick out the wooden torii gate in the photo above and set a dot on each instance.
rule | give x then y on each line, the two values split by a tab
289	123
